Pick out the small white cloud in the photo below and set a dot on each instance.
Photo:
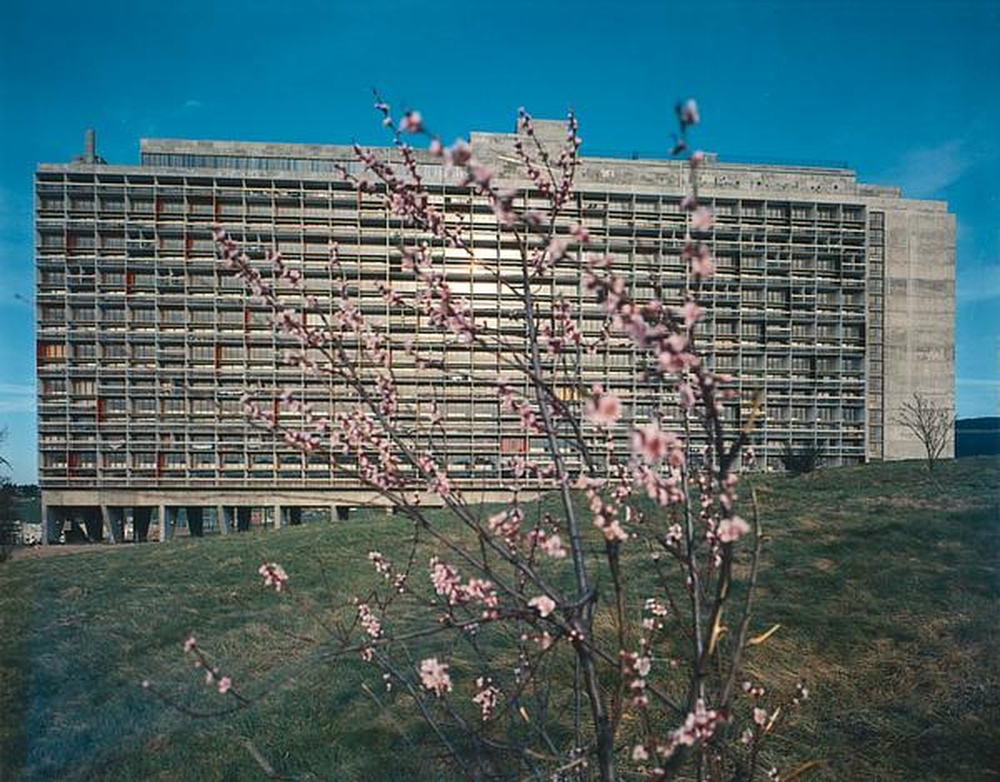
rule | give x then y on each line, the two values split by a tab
193	103
924	173
17	398
15	389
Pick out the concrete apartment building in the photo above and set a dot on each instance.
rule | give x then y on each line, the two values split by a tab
833	297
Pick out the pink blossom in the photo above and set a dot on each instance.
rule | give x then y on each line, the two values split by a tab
760	716
603	408
580	233
481	174
439	484
507	522
459	153
225	685
543	604
614	532
687	112
554	547
699	726
691	313
486	697
697	254
412	122
544	640
702	219
446	581
686	394
274	575
434	676
654	606
676	342
379	562
652	443
448	584
754	690
190	644
556	250
369	622
732	529
639	753
670	361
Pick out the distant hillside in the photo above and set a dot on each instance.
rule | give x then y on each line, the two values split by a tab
977	437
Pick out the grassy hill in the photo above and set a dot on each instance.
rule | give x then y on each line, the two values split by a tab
885	585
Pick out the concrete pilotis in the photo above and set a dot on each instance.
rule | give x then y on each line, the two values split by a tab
195	520
93	524
141	519
166	524
224	517
48	519
114	522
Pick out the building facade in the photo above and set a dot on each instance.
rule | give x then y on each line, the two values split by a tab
833	298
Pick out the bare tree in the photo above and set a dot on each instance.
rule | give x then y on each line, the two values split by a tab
930	422
3	438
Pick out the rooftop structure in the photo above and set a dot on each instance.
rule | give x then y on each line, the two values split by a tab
833	297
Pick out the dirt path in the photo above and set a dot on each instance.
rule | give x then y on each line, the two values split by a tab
62	549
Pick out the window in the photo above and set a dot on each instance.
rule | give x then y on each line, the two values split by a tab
53	387
144	406
114	405
202	353
114	350
112	314
51	350
113	460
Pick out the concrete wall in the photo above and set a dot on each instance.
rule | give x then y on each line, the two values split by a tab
919	316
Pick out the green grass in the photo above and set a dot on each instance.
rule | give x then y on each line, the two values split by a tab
884	582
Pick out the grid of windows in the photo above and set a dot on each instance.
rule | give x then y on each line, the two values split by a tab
788	308
146	344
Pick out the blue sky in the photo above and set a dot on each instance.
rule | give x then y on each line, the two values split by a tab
903	92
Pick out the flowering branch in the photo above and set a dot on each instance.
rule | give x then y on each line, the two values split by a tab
549	641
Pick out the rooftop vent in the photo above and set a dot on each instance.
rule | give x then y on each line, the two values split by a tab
89	156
